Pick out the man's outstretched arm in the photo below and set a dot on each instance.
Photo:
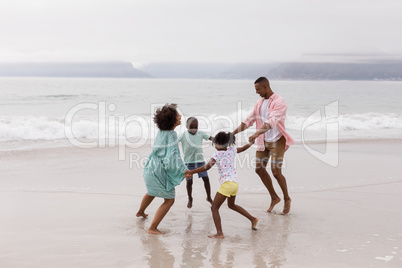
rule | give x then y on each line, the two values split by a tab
262	130
240	128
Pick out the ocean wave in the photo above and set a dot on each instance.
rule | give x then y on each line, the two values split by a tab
19	128
349	122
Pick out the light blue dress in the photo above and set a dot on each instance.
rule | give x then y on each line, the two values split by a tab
164	169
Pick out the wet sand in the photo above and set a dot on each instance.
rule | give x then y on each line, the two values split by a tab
70	207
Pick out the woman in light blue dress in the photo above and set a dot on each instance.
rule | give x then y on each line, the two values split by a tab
164	169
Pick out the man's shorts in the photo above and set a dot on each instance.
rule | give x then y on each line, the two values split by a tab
192	166
275	150
229	188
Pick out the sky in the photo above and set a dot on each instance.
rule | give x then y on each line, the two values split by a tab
213	31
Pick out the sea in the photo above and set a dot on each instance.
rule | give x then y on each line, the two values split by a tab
54	112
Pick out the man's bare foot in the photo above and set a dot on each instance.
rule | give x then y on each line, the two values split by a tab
254	224
219	236
190	203
209	199
141	214
155	231
286	207
273	203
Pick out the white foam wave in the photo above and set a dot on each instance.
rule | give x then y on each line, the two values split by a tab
19	128
30	128
348	122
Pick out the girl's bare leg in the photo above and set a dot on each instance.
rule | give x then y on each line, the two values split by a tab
218	201
242	211
146	200
160	213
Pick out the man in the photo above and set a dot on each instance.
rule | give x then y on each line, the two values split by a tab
272	139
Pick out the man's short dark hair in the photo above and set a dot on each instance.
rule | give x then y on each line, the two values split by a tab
166	117
261	79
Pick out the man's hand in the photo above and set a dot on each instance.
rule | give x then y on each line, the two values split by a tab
252	138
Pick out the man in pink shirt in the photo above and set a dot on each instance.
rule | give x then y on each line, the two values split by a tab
272	140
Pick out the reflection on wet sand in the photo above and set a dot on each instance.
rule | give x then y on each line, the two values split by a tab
190	247
157	253
193	251
266	247
216	261
270	247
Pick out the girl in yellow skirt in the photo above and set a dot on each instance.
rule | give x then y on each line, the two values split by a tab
224	157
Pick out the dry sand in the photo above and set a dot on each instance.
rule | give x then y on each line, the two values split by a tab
70	207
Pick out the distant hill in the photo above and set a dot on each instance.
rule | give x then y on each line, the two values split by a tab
68	69
185	70
246	70
337	71
280	71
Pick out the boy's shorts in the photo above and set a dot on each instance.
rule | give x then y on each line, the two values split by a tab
229	188
192	166
274	149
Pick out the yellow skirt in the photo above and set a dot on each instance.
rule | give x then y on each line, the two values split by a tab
229	188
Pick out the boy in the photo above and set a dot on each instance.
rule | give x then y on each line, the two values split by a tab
191	142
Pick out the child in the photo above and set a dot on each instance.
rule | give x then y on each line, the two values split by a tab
164	169
224	158
191	142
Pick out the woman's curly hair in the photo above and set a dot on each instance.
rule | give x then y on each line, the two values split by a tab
166	117
224	139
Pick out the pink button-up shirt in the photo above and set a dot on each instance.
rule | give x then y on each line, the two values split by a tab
277	113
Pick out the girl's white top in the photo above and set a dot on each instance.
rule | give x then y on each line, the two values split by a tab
225	161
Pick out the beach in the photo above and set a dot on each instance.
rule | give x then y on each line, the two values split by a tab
74	207
86	88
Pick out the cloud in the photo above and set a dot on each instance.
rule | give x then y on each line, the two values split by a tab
196	31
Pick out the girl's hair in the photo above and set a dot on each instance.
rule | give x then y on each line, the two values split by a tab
166	117
224	139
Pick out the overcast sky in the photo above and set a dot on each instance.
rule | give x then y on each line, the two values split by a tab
199	30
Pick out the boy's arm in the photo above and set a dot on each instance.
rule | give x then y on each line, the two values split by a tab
204	168
245	147
206	136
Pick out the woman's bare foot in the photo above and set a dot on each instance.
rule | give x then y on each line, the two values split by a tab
254	224
155	231
141	214
286	207
209	199
273	203
219	236
190	203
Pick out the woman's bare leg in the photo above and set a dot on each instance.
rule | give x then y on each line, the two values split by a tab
146	200
159	215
